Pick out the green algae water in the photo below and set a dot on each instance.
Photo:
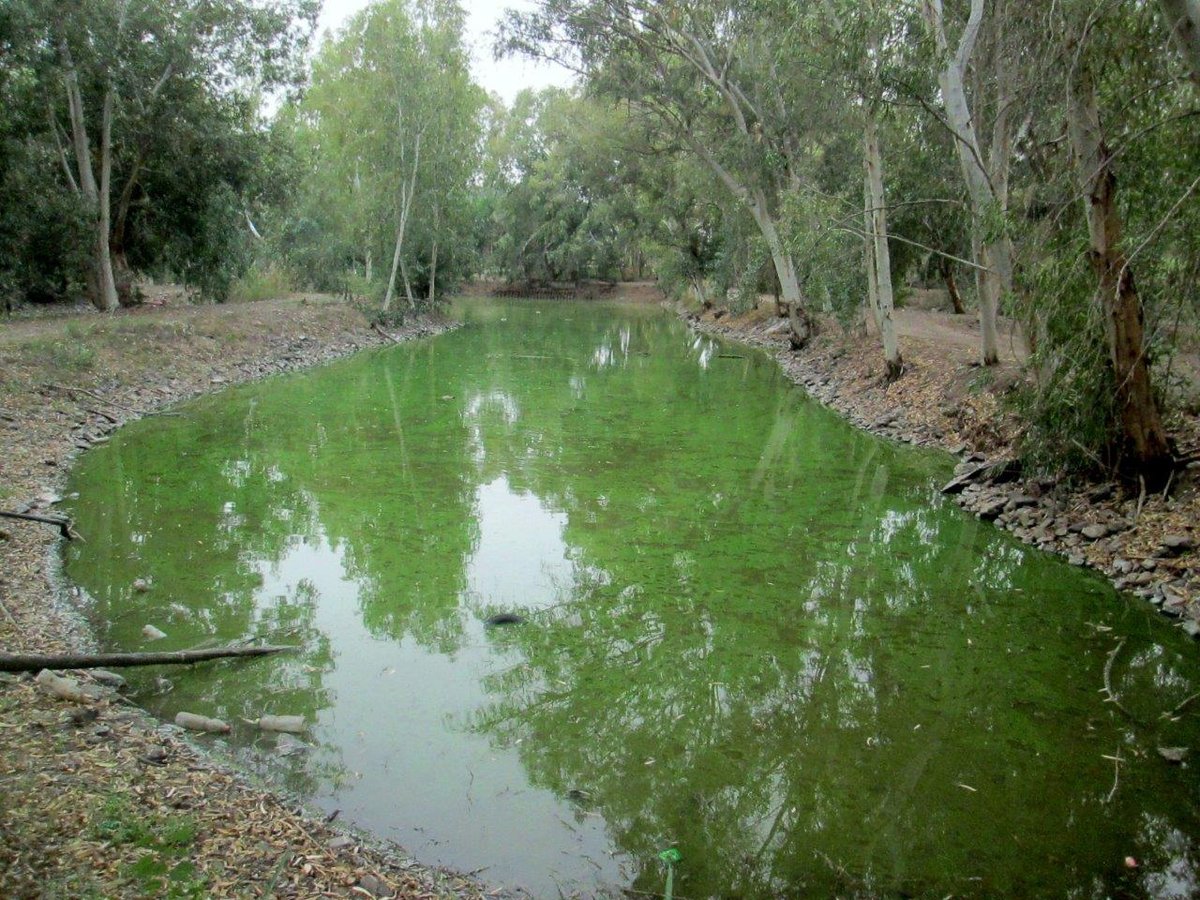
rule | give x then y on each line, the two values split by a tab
752	633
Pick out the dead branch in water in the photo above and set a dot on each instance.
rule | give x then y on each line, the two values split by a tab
33	662
62	524
1108	688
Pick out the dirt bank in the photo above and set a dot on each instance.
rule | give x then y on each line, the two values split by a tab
98	799
1146	544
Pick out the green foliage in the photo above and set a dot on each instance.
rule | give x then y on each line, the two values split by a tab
161	869
261	282
829	257
387	143
189	155
1069	405
65	354
561	174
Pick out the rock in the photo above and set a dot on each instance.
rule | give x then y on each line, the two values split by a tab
967	472
1173	754
340	842
289	745
141	585
1173	605
1094	532
108	679
156	756
1191	628
1023	500
990	509
1076	559
504	619
374	886
1174	544
150	633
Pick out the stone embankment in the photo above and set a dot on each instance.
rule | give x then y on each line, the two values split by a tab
1145	544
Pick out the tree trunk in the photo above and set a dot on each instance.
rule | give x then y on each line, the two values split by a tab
408	293
803	326
433	275
1183	18
390	293
407	189
437	218
880	270
946	268
1144	450
970	157
101	285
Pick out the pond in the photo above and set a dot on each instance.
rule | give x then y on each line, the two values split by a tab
751	632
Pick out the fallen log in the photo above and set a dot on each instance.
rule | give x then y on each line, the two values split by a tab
62	524
33	662
390	337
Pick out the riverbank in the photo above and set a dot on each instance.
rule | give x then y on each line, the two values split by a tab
99	799
1144	543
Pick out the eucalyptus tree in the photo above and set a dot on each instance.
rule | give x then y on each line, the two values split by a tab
119	81
978	90
1149	117
859	41
565	172
712	77
394	116
1183	20
687	226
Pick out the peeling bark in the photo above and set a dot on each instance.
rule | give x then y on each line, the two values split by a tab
879	268
1144	451
988	256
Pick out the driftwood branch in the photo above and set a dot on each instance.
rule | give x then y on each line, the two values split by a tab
390	337
62	524
73	389
33	662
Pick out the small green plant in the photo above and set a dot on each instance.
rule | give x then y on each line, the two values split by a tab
164	840
260	283
62	354
981	381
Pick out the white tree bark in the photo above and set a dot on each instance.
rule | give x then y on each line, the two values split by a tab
1183	18
979	188
432	297
408	188
880	268
101	283
781	257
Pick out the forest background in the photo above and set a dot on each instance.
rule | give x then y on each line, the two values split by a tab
1038	161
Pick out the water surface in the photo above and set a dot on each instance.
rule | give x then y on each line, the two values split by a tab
753	634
